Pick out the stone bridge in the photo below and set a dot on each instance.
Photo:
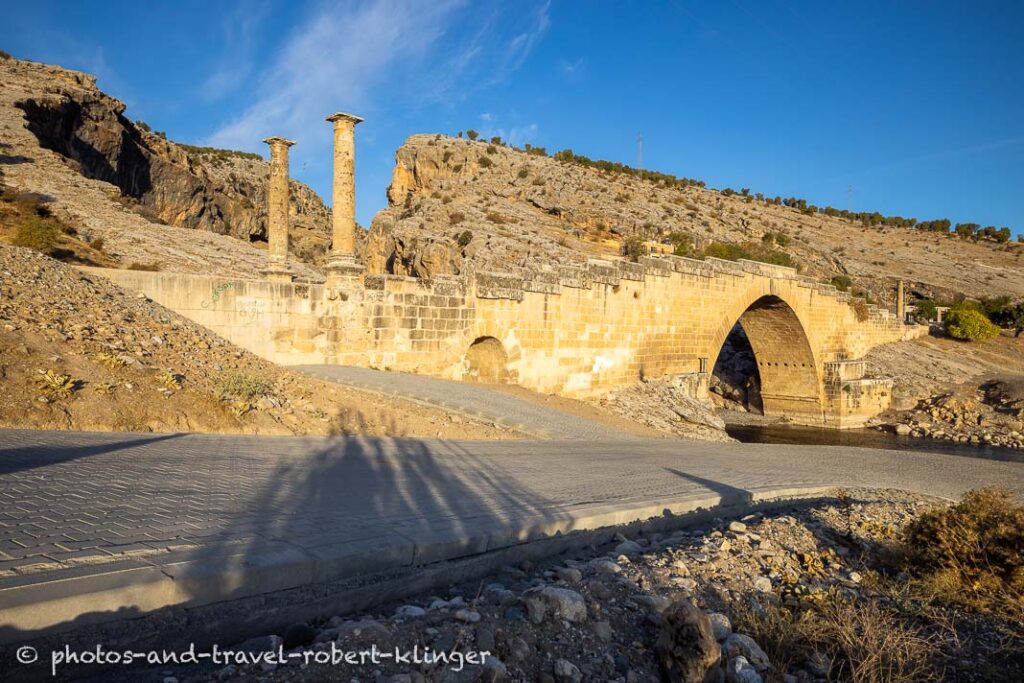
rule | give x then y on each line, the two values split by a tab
571	331
576	331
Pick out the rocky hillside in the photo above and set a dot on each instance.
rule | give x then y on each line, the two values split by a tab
115	180
457	205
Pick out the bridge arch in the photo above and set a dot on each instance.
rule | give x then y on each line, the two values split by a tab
790	380
486	361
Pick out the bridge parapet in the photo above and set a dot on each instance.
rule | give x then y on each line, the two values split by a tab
499	286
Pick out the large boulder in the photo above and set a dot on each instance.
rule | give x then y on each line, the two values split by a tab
686	648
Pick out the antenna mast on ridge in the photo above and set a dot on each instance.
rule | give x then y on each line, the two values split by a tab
639	149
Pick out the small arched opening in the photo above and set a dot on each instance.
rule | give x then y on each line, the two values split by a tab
487	361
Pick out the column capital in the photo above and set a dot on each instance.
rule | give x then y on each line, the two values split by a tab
277	140
342	116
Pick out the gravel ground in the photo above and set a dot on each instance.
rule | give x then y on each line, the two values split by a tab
605	613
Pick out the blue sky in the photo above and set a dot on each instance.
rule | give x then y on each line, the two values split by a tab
918	105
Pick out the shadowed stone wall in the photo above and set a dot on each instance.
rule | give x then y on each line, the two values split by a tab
570	331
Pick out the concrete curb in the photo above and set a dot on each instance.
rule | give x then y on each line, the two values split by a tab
47	603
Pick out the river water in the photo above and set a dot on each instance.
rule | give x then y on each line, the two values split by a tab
866	438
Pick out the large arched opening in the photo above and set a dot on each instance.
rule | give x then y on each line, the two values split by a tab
487	361
766	365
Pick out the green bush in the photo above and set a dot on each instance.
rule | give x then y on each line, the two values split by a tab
925	309
682	243
633	247
465	237
244	386
38	234
842	282
523	172
485	162
970	324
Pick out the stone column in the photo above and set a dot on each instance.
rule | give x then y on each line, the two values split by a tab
901	306
277	268
342	262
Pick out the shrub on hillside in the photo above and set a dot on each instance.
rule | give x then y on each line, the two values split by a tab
970	324
244	386
842	282
485	162
38	234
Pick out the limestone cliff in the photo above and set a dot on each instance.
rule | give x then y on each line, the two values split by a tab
458	205
195	188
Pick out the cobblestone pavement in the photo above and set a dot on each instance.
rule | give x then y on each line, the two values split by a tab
74	504
472	399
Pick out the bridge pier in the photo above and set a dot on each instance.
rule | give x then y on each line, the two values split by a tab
277	269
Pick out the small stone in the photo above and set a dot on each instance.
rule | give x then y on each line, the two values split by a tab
514	614
298	634
566	604
721	626
410	611
739	670
628	548
653	603
605	567
569	574
739	644
567	672
684	582
603	631
737	527
763	584
468	616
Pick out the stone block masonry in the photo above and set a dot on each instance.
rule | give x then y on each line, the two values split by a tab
575	332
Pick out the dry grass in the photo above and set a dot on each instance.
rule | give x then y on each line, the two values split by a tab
972	552
858	641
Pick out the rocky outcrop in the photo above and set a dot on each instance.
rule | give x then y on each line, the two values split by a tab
204	189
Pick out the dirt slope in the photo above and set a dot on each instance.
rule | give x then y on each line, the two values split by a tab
132	365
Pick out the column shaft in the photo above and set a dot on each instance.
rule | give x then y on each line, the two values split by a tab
277	210
343	196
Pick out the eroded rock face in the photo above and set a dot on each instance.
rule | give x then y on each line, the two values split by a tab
210	190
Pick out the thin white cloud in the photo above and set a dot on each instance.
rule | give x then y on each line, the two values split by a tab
517	136
238	50
571	70
487	116
333	61
357	57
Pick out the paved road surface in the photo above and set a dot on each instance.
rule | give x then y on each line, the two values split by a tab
197	518
472	399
